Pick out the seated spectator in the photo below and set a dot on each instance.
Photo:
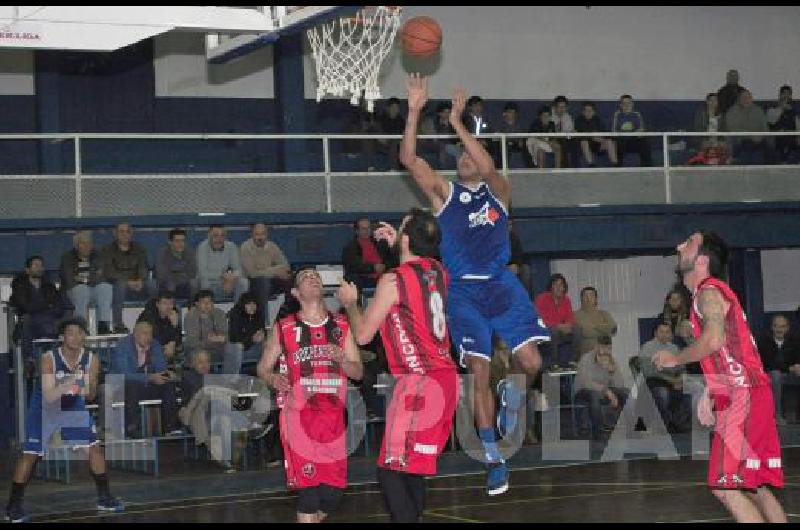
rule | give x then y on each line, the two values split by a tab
141	360
708	118
539	147
746	116
516	263
591	323
563	123
784	117
598	383
162	314
206	328
192	380
82	280
515	147
218	266
475	121
392	122
246	332
666	385
676	314
779	353
555	309
176	266
446	149
37	303
125	267
628	120
264	265
590	122
364	258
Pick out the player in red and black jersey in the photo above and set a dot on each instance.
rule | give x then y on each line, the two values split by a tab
409	308
745	459
315	352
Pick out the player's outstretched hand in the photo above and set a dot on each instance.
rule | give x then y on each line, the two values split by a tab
417	86
665	359
386	232
459	104
347	293
705	410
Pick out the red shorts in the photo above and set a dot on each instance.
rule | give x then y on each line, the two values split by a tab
418	421
314	446
745	448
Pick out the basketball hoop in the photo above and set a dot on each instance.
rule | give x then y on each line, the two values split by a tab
348	53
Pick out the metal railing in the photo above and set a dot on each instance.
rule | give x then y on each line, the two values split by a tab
83	185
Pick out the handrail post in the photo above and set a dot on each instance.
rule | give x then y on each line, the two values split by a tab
504	154
326	154
667	179
78	172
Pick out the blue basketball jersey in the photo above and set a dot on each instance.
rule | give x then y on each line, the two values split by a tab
474	226
62	371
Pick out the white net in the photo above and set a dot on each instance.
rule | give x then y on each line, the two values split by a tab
348	53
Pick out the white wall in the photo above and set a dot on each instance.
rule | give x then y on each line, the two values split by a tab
16	73
629	289
181	70
665	52
779	269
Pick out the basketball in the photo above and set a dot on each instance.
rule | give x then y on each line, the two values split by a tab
422	36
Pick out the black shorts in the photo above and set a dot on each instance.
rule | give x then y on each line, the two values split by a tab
322	498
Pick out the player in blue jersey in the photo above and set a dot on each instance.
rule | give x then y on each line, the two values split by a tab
68	377
485	297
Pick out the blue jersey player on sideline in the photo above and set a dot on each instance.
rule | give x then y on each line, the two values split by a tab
68	377
485	297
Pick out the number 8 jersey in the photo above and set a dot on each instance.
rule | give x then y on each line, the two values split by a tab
415	332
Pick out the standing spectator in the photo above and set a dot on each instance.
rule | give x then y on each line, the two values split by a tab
627	120
746	116
590	122
729	94
218	265
140	359
666	385
82	279
162	314
206	328
511	125
264	265
125	267
538	147
475	121
392	122
37	303
784	117
555	308
591	323
176	266
364	258
599	382
778	353
246	333
563	123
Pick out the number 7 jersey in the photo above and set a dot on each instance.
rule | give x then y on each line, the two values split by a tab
415	332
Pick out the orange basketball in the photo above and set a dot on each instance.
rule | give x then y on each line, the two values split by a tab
422	36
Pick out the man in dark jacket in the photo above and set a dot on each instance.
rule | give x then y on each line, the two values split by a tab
38	304
83	281
141	360
779	353
364	258
125	267
162	313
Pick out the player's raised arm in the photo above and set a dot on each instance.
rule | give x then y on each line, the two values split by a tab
483	160
432	184
365	324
